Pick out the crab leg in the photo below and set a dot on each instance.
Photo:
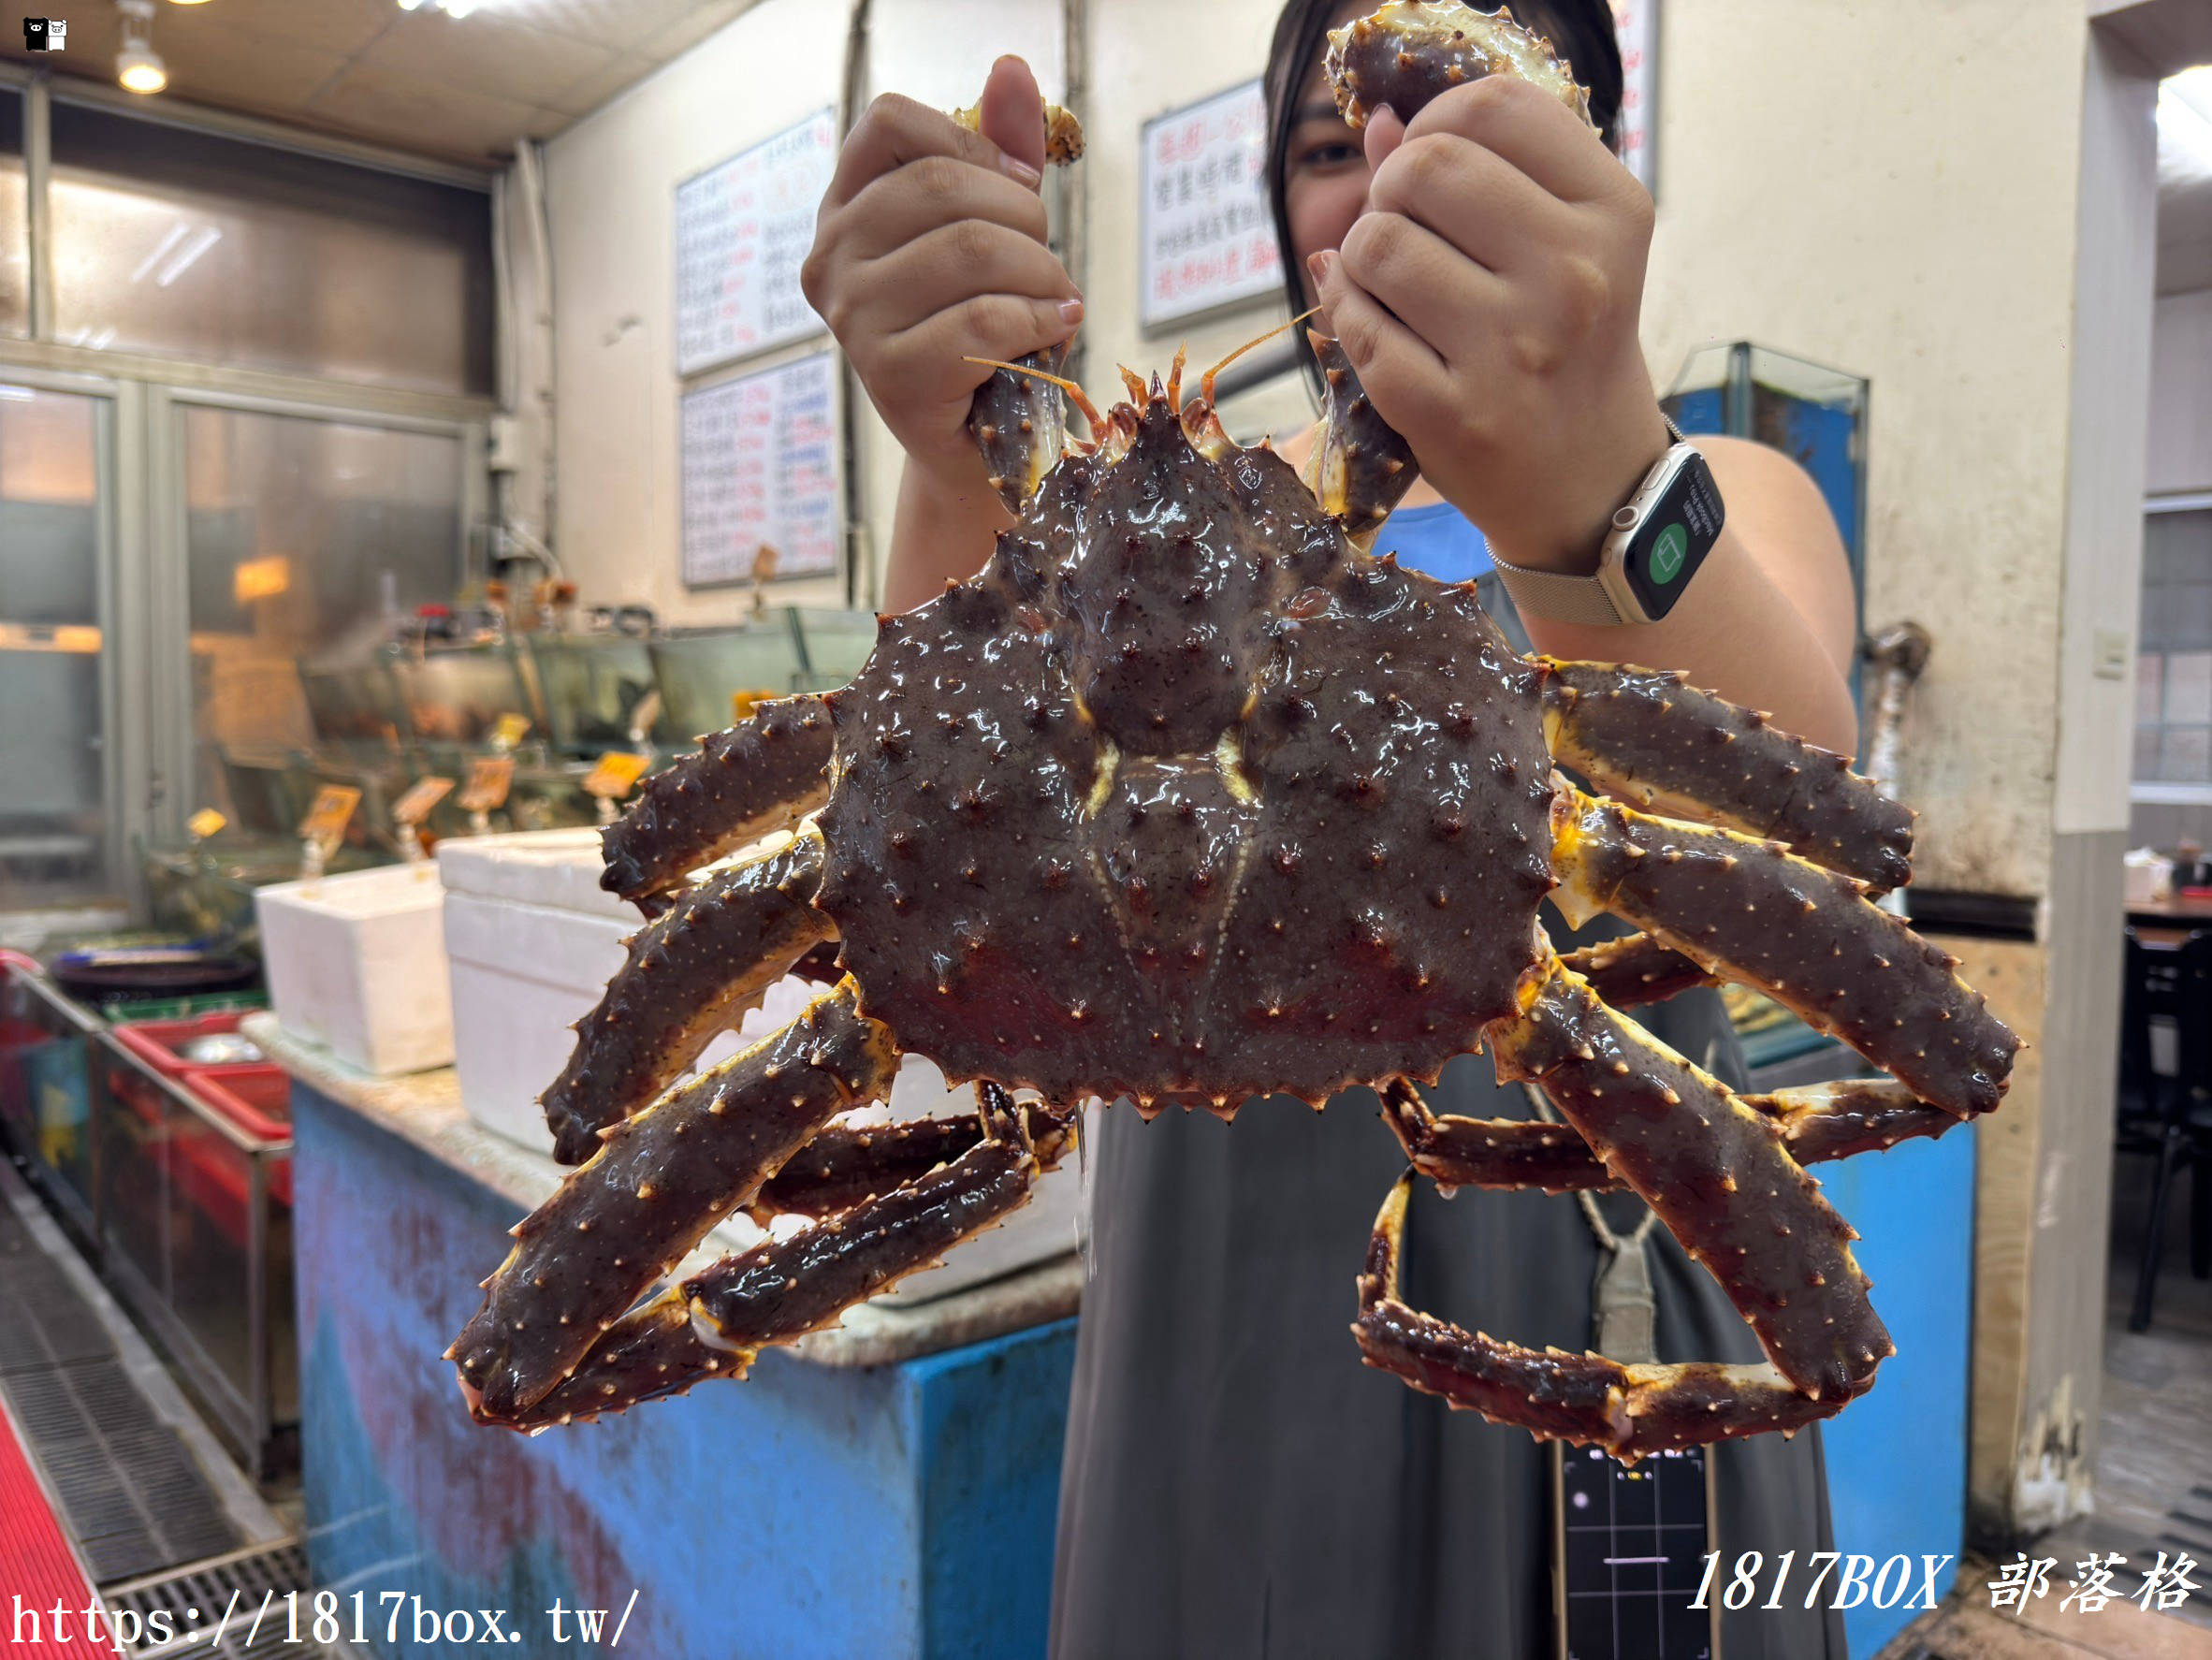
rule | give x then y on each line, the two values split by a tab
755	778
1796	931
1018	424
692	973
1359	468
1688	1147
842	1166
716	1324
1818	1123
1585	1398
656	1184
1406	53
1635	969
1650	737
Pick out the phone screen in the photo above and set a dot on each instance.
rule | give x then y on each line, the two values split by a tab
1629	1549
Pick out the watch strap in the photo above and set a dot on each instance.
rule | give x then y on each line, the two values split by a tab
1562	597
1559	597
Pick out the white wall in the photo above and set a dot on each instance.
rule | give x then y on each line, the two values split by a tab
1821	192
2181	394
611	183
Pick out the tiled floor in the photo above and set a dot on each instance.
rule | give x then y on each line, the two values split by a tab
2154	1476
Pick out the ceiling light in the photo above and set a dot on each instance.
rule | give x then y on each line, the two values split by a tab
453	8
2184	124
138	66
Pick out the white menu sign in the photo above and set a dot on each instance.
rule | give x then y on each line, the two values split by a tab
1205	236
760	467
1637	22
742	229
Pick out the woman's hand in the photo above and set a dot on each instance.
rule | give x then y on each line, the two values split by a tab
1489	298
930	249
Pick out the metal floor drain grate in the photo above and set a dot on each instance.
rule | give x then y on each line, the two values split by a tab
195	1600
129	1493
43	1321
128	1490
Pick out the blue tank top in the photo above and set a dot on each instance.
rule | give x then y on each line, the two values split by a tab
1437	539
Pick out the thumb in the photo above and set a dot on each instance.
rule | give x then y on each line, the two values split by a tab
1011	112
1385	133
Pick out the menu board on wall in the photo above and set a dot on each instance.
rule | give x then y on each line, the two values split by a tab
760	468
1205	238
1637	22
742	229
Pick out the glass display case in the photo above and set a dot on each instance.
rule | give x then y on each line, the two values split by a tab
590	686
456	694
698	674
832	645
1815	415
196	1229
45	1110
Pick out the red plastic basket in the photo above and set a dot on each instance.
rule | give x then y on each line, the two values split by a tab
259	1100
157	1041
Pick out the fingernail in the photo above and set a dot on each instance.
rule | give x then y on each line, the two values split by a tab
1071	310
1319	263
1021	172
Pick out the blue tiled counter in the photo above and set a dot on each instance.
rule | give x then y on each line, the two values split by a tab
890	1491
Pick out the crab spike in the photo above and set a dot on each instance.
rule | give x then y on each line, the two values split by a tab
1206	380
1075	393
1175	378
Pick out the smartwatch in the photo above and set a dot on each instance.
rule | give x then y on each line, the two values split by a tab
1652	549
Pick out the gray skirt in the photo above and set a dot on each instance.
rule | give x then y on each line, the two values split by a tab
1238	1485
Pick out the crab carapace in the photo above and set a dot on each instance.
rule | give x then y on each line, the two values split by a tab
1186	798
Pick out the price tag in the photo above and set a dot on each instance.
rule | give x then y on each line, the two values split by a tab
616	775
204	823
333	809
422	795
490	777
507	731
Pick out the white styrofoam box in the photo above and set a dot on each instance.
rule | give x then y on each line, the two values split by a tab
533	940
355	964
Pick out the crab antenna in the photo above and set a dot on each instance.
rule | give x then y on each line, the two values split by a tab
1175	378
1075	394
1206	380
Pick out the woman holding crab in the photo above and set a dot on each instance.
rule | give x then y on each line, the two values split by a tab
1234	1486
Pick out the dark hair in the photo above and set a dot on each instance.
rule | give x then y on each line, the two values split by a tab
1580	31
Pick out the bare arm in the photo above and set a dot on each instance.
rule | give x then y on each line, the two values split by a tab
930	251
1769	622
942	531
1490	298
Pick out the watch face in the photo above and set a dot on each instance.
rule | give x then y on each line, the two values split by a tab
1676	535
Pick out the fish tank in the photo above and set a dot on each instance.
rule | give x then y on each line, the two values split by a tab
1814	413
1817	417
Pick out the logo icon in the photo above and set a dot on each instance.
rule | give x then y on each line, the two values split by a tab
1668	553
45	34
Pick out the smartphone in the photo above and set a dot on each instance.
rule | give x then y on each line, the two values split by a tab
1628	1549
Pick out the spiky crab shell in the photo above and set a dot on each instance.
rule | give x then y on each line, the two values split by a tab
1184	799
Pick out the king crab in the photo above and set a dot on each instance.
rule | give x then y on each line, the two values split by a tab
1186	798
